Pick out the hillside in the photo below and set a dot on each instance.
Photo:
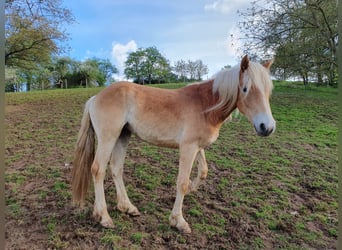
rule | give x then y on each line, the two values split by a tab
261	193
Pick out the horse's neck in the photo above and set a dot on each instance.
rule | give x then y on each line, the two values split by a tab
209	99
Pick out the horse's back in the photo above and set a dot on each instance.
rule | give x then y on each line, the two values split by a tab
160	116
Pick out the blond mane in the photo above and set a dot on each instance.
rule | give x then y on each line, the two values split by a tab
261	77
226	84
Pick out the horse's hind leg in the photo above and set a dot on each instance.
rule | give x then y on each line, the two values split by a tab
116	166
98	171
202	171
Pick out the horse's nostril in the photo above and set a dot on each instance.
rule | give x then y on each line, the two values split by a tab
262	127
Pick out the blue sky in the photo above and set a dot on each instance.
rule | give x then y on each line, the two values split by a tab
180	29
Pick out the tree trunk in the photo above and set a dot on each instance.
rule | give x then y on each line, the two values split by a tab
28	84
319	78
305	80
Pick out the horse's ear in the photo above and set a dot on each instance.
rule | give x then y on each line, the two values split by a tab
268	64
244	63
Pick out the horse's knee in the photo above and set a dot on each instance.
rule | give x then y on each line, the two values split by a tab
204	174
96	171
183	186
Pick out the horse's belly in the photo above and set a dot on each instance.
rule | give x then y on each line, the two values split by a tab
158	136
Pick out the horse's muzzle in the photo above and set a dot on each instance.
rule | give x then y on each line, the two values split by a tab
264	124
264	131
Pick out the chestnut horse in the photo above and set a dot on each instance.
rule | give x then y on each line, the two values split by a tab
188	118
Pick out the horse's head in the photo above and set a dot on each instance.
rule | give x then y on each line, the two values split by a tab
255	87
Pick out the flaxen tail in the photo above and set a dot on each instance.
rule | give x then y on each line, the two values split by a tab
84	157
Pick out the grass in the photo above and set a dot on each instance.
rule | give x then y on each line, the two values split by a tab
276	192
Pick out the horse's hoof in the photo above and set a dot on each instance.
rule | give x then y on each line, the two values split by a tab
107	224
133	211
181	225
128	208
184	229
96	215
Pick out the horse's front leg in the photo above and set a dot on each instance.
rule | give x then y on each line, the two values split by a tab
202	171
186	159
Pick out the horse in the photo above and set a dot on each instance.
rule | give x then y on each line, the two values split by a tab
188	118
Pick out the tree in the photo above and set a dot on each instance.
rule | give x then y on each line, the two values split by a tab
194	69
155	66
106	69
134	65
38	78
191	69
95	72
11	80
201	69
147	65
301	33
61	72
33	31
61	68
162	71
42	78
180	69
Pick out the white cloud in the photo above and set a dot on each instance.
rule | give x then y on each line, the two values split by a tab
225	6
120	53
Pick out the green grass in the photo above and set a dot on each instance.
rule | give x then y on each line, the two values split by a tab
276	192
110	239
137	237
54	237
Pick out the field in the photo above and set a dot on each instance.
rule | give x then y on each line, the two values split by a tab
261	193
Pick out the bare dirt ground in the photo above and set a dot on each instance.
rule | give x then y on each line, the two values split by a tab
252	199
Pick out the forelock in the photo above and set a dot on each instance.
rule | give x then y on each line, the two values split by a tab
260	76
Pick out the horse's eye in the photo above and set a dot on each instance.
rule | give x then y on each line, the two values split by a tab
244	89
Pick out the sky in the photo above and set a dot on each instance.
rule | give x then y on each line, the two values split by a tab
179	29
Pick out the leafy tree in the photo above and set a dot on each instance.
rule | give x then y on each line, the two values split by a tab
37	78
61	72
95	72
134	65
106	69
34	31
302	34
147	65
42	78
172	77
87	71
11	80
62	68
162	71
156	66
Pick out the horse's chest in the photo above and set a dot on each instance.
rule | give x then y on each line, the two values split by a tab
208	138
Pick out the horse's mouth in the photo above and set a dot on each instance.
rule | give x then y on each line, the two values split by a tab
263	132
